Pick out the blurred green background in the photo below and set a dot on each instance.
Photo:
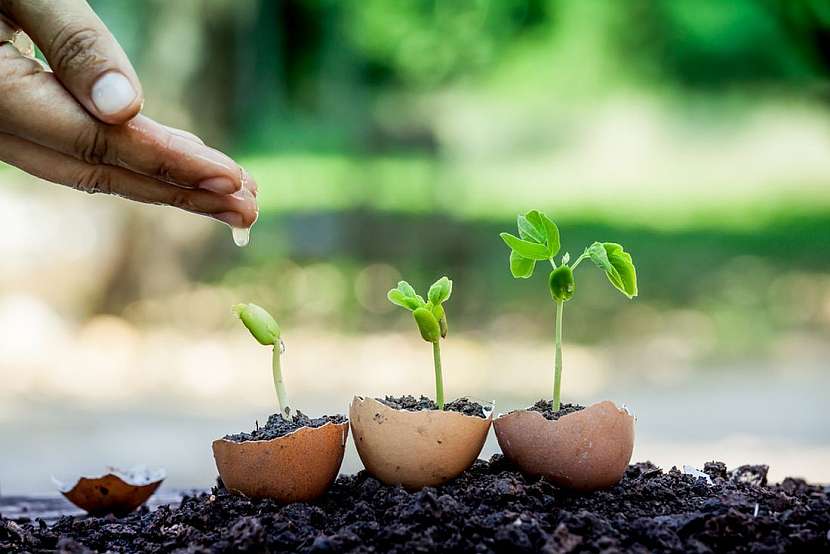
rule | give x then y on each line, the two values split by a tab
397	139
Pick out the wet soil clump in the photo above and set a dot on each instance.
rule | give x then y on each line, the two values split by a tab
412	404
545	407
279	426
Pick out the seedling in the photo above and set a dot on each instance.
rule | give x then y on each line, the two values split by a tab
431	320
266	331
538	240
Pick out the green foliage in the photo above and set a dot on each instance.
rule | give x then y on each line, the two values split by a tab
561	282
429	315
259	322
538	240
431	319
427	324
617	265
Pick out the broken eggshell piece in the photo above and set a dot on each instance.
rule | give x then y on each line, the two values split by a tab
415	449
297	467
116	492
585	450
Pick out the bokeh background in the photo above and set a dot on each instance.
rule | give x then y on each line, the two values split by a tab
397	139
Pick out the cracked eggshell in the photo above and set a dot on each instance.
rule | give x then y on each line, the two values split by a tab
297	467
116	492
585	450
415	449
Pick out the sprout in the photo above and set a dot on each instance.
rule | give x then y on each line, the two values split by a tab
266	331
538	240
431	320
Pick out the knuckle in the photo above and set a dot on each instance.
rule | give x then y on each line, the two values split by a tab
73	48
93	146
182	199
163	168
94	180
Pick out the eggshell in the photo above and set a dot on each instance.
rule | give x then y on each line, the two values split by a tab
297	467
116	492
415	449
585	450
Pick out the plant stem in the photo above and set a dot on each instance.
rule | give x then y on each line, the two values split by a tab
279	384
557	372
439	377
579	259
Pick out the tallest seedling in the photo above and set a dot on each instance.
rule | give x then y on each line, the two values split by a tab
538	240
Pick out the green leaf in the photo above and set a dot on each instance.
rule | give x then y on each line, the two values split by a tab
551	234
406	289
520	267
561	283
624	265
599	256
441	316
526	249
259	322
440	290
427	325
531	227
398	298
617	264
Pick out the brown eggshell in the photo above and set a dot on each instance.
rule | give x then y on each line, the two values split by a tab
297	467
415	449
117	492
585	450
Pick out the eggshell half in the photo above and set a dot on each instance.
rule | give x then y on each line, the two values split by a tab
415	449
585	450
116	492
297	467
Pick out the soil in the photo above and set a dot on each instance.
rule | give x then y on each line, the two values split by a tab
545	407
490	508
278	426
409	402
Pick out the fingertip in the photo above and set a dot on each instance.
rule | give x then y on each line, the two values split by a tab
115	98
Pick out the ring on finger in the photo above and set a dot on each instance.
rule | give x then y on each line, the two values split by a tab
17	38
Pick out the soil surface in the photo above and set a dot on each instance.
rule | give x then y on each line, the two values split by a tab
545	407
278	426
490	508
409	402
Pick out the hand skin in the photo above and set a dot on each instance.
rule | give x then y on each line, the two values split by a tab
79	125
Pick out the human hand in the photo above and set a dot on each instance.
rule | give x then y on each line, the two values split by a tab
78	124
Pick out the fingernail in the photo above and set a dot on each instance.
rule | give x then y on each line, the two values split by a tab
219	185
231	218
112	93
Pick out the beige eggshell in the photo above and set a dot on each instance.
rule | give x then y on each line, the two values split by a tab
116	492
415	449
585	450
297	467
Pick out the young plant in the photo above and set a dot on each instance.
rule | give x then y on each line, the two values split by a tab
538	240
431	320
266	331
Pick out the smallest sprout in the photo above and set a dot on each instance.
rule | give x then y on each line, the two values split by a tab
431	320
266	331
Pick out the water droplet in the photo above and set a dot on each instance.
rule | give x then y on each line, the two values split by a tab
241	236
282	347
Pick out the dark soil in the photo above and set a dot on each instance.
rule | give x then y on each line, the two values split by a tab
545	407
490	508
409	402
278	426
